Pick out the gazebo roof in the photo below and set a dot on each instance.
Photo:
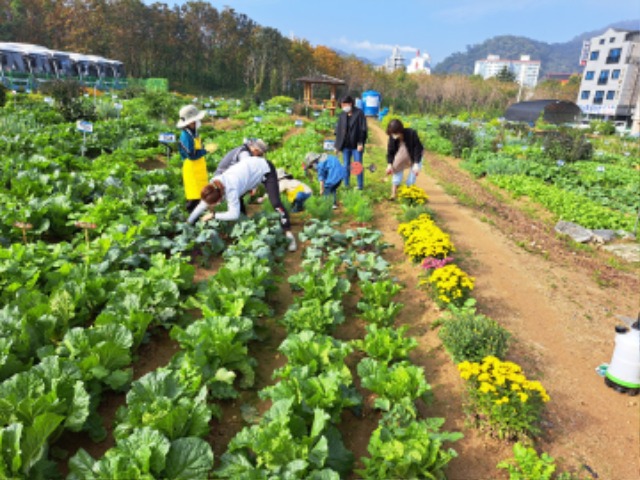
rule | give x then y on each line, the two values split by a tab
321	78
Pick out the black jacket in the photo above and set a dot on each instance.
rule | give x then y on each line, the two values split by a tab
413	143
351	130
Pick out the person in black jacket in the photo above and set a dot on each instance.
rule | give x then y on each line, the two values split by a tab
404	151
351	135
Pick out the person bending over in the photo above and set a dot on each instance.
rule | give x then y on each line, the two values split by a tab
237	180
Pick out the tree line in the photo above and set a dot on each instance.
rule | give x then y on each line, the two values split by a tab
203	49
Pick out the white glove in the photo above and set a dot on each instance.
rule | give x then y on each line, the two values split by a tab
197	212
416	168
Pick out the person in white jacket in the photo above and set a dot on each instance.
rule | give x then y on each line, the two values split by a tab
237	180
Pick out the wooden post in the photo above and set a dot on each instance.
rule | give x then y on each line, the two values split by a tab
333	101
24	227
86	226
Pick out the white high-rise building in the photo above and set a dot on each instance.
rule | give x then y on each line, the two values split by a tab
395	61
525	70
611	77
420	64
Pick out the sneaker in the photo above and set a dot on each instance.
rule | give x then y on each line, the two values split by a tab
293	246
334	206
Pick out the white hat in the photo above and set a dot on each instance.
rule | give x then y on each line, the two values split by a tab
189	114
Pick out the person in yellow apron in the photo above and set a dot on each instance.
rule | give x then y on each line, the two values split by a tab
194	167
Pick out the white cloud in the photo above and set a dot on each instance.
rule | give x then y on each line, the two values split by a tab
366	45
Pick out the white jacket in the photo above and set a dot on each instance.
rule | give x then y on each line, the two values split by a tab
238	180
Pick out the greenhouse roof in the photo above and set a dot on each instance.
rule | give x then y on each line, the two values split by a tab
553	111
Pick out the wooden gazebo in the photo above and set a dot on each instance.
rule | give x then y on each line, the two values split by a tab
320	79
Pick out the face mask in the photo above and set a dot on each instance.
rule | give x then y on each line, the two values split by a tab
395	136
347	108
198	124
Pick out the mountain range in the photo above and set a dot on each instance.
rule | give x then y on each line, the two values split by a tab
554	57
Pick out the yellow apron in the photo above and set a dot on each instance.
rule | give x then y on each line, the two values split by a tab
194	174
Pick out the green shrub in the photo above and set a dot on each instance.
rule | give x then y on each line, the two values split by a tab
468	335
70	102
320	207
461	137
160	104
357	205
3	95
570	147
411	212
602	127
280	102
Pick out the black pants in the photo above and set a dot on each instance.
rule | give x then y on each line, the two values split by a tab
270	183
191	204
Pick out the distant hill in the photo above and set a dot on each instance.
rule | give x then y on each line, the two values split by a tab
554	57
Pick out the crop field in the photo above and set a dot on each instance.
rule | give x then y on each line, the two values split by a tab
134	345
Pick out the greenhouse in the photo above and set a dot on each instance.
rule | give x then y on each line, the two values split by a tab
552	111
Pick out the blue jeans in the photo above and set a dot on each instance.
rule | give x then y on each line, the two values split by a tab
347	153
411	178
332	190
298	203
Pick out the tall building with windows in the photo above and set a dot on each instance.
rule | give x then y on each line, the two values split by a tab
611	77
395	61
525	70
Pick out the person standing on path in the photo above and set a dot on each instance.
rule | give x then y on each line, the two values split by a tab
194	166
237	180
404	151
351	136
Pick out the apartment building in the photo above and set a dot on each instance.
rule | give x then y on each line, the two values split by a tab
525	70
611	77
395	61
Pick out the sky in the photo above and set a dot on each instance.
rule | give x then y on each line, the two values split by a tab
371	29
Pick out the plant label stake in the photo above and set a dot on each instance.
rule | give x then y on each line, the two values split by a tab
24	227
167	139
84	127
329	145
86	226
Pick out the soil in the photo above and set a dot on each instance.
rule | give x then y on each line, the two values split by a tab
558	301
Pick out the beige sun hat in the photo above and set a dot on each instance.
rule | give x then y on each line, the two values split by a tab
189	114
258	144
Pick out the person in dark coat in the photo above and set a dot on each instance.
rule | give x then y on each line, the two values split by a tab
404	152
351	136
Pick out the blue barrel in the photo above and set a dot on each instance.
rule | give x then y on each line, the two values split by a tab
371	101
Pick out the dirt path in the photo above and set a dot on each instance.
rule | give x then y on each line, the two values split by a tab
562	319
